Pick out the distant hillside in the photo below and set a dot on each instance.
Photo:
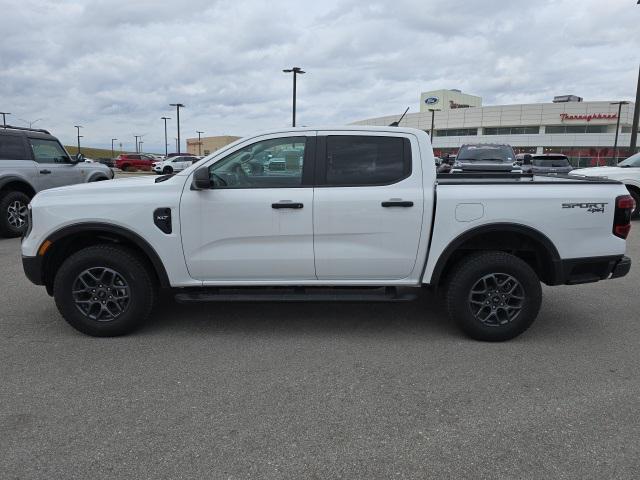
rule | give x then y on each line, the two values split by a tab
94	152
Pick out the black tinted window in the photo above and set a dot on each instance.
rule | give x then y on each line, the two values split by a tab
366	160
502	153
12	148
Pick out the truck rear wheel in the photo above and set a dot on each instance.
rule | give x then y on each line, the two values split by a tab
493	296
104	291
14	219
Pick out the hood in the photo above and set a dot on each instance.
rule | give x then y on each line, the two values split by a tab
111	187
483	166
597	171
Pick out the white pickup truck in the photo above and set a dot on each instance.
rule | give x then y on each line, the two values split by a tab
356	214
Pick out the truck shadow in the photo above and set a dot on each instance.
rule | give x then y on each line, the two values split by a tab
424	316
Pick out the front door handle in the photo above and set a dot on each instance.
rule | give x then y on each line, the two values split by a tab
397	203
293	205
45	172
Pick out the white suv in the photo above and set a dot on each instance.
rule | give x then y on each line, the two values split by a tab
174	164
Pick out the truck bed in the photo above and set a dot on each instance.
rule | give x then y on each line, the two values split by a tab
516	178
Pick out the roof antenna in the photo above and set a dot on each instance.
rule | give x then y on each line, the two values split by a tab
396	124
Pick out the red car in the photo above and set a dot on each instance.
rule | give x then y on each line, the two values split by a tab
134	161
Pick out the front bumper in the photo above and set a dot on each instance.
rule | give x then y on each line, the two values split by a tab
32	267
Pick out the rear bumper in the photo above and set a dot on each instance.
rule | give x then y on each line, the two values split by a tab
32	267
591	269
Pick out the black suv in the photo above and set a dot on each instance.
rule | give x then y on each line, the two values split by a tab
32	160
486	157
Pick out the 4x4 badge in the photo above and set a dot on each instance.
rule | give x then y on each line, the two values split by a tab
592	207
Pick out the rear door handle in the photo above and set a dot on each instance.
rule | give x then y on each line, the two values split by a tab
293	205
45	172
397	203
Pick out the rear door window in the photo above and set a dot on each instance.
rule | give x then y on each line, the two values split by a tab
359	160
12	148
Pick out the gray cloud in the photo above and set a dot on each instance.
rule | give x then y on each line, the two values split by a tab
115	65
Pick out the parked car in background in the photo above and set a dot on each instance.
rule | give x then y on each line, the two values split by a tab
627	172
486	157
109	162
32	160
174	164
134	161
549	163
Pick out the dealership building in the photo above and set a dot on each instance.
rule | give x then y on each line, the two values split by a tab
207	145
583	130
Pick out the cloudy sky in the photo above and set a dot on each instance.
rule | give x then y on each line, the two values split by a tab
114	66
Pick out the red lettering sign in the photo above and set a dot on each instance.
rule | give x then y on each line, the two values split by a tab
589	116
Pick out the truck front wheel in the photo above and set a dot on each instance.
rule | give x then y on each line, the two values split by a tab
493	296
104	291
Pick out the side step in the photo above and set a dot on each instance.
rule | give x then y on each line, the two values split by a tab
299	294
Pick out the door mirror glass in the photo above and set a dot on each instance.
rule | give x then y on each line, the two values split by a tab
79	158
201	179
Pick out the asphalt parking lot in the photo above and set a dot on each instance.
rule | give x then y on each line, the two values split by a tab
321	390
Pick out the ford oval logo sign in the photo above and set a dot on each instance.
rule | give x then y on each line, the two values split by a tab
431	100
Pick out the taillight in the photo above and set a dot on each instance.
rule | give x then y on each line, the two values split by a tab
622	216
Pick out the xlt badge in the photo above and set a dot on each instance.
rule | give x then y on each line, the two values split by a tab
162	219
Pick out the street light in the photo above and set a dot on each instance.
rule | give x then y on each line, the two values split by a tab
141	142
199	143
433	113
31	123
137	137
295	71
176	144
636	116
78	127
4	118
112	152
615	143
178	107
166	152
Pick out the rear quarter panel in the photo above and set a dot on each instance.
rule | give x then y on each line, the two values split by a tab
575	232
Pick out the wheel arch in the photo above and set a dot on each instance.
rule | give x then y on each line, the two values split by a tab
525	242
15	183
72	238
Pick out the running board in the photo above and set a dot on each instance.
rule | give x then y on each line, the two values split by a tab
298	294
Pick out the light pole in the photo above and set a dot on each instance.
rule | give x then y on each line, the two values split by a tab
636	116
433	114
137	137
615	143
31	123
141	142
4	118
78	127
113	155
295	71
166	152
199	143
178	107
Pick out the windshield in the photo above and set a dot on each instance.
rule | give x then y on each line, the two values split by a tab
632	161
551	161
496	153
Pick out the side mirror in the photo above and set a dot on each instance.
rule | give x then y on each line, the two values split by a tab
527	159
201	179
77	158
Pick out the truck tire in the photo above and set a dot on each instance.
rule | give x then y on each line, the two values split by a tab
104	291
493	296
14	220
